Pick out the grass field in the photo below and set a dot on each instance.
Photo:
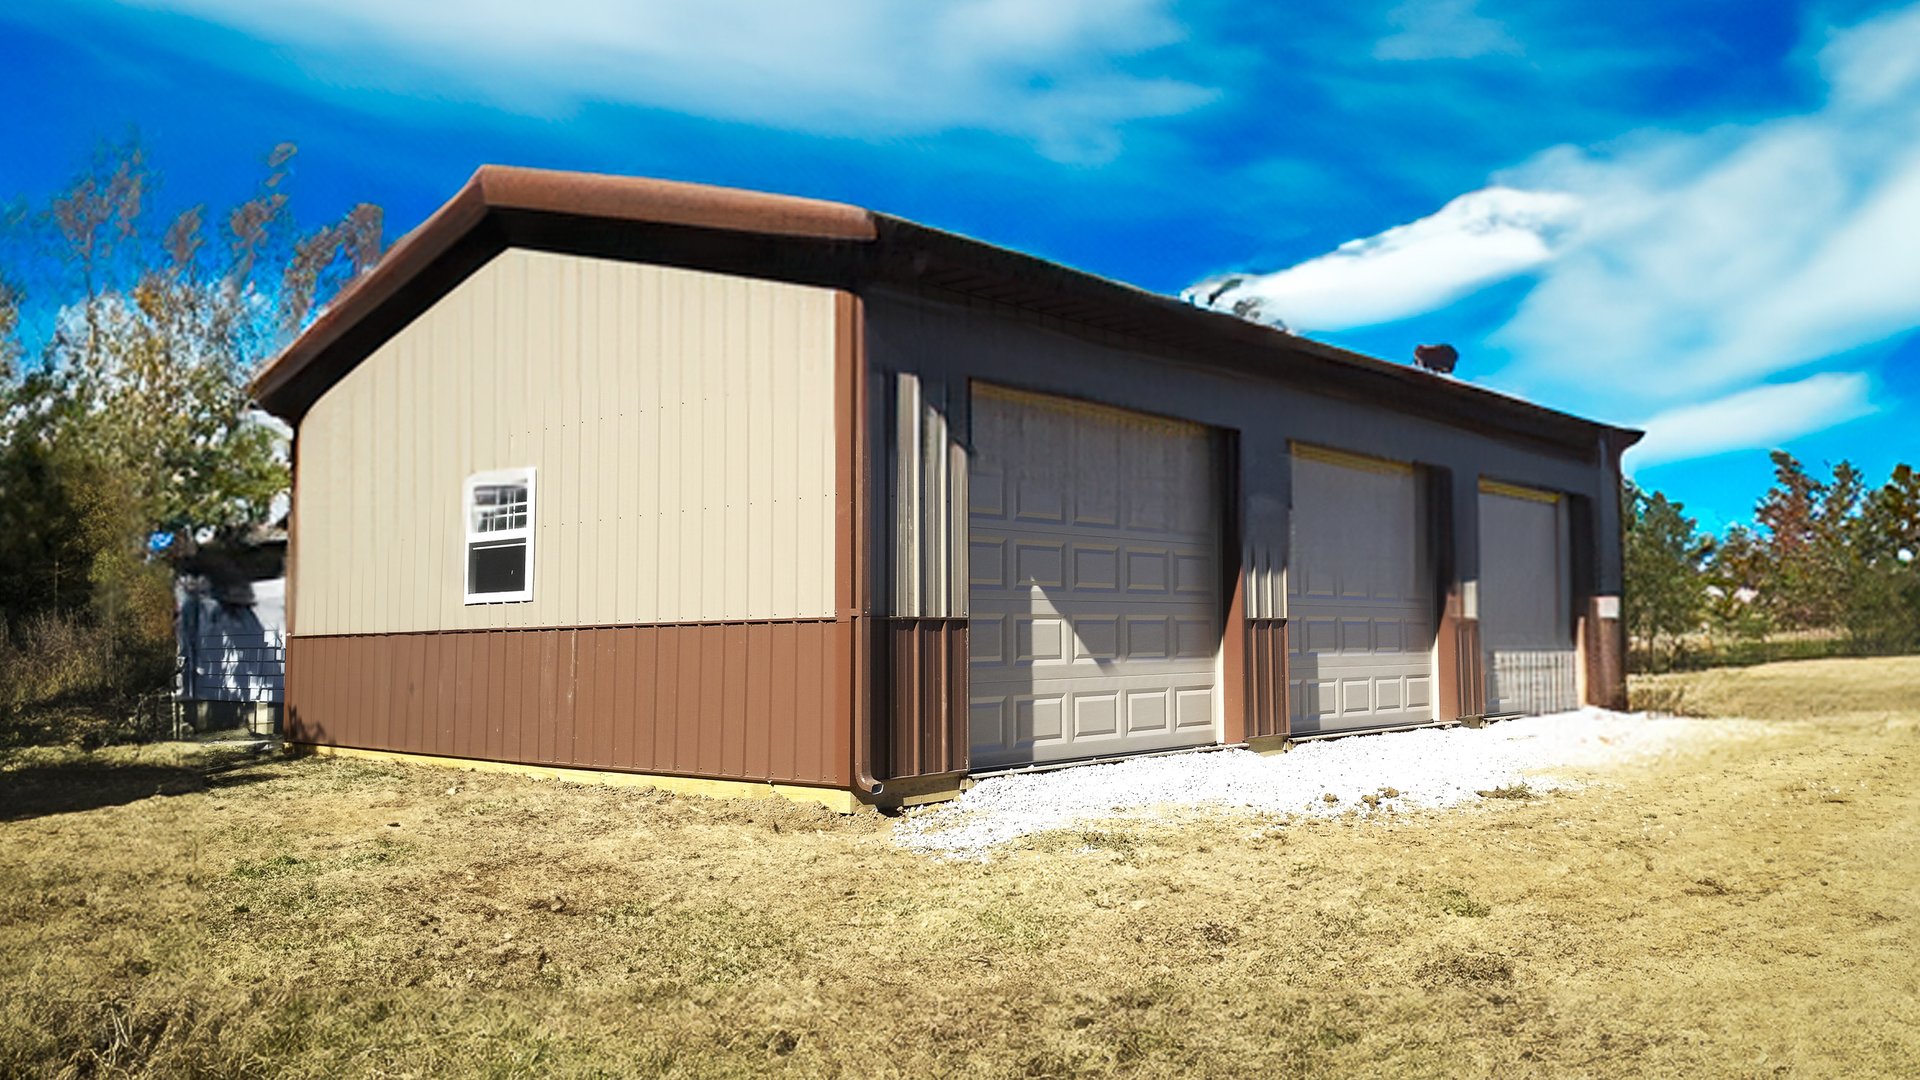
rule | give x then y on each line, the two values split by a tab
1750	907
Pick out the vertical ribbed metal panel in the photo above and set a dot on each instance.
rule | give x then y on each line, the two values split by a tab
743	701
909	471
1266	666
930	491
926	731
681	425
1264	537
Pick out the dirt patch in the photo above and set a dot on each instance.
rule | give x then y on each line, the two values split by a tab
1714	911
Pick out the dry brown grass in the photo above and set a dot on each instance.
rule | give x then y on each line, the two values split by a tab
1748	908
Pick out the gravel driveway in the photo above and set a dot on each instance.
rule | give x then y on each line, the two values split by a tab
1377	774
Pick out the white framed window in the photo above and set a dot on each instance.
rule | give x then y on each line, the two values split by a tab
499	511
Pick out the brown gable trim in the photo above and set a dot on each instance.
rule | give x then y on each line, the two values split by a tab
838	246
501	207
669	202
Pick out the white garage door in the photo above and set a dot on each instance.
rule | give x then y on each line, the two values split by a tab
1359	596
1093	554
1526	625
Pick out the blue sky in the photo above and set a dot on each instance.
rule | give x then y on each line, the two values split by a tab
1696	216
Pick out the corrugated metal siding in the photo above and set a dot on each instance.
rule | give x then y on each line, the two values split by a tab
1266	696
930	503
753	701
1468	669
682	426
1266	488
927	693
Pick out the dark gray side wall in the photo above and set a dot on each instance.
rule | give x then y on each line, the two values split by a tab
947	344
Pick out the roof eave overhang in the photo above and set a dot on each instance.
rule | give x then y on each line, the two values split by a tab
839	246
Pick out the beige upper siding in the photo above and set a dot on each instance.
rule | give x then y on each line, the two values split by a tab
681	424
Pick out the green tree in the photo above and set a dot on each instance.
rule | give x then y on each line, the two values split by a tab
1734	573
1883	609
1666	591
1811	536
126	348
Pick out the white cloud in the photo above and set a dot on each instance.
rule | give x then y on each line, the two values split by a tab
1675	266
1473	241
1708	260
1760	418
1442	30
1055	73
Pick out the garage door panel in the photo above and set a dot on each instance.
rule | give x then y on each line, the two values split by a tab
1096	637
1146	571
986	638
1193	708
1147	712
1040	563
1110	607
1359	608
1096	714
1149	638
1096	569
1039	718
987	563
1036	640
1196	639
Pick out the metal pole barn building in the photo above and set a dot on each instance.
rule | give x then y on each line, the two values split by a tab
729	491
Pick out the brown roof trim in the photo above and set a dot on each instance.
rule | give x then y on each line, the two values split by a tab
462	235
832	244
670	202
933	258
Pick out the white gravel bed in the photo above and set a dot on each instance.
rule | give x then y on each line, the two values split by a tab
1406	770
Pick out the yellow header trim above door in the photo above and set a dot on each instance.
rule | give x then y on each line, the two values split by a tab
1515	491
1349	460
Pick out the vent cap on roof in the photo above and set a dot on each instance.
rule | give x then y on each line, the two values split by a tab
1440	358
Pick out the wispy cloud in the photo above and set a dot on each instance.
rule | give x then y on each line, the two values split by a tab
1711	259
1671	266
1761	418
1063	75
1475	240
1442	30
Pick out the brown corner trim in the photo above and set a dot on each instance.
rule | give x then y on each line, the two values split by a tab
852	557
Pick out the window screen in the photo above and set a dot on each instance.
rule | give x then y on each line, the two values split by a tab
497	568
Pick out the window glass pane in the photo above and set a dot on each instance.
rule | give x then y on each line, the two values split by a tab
498	507
498	567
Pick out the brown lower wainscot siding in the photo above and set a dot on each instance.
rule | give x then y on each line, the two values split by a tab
1266	695
927	694
732	701
1463	678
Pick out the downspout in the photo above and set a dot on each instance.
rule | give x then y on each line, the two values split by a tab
853	357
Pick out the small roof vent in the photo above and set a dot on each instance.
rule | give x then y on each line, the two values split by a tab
1440	358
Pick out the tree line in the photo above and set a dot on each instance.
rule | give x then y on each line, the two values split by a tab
128	332
1831	565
